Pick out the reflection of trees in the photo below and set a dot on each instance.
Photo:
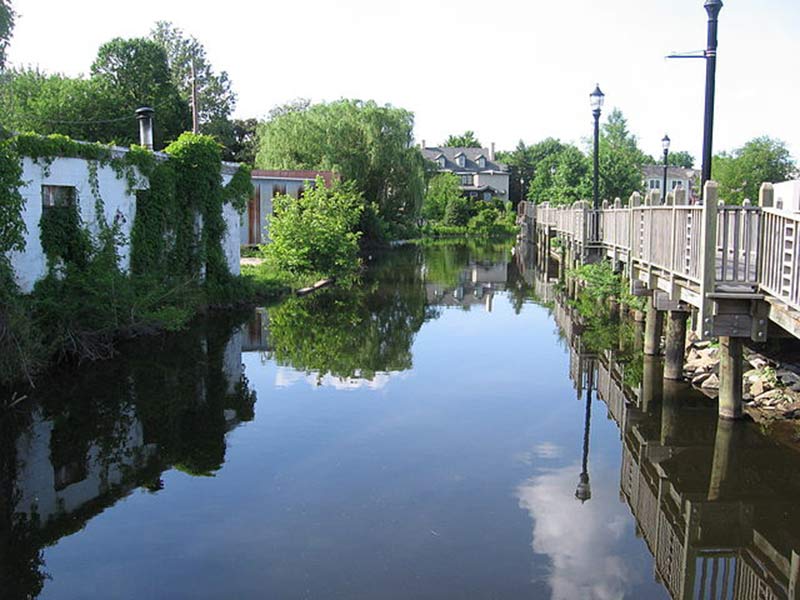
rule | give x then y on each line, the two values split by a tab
370	327
108	429
354	332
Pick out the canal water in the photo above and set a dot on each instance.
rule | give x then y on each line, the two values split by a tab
450	428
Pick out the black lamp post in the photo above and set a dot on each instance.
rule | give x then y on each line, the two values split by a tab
665	145
712	8
596	101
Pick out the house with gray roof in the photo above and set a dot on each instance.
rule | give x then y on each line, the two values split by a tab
480	174
653	177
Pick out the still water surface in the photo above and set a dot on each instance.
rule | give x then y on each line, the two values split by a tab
426	435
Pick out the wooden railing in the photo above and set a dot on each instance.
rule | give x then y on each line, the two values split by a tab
720	248
779	268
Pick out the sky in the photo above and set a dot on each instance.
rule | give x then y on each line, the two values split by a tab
506	69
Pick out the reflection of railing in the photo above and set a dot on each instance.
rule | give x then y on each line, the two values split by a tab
702	547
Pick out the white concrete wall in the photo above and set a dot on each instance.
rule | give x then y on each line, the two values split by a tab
233	227
497	181
31	265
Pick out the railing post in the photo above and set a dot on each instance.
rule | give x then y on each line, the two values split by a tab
766	195
633	203
708	258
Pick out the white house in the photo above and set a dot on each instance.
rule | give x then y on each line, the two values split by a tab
653	177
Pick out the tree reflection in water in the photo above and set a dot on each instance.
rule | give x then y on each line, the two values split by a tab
369	328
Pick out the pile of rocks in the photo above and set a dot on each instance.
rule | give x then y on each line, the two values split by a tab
771	389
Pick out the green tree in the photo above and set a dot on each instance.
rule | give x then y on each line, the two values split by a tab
215	97
561	177
368	144
465	140
7	16
134	73
245	142
621	160
740	173
31	100
681	158
316	233
442	189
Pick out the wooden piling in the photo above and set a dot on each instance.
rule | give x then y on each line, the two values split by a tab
675	346
730	377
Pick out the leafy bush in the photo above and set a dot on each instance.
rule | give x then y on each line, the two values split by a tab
318	231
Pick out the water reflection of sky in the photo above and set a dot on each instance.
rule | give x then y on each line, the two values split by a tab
452	479
585	543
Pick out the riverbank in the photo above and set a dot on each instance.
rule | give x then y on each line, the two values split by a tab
771	385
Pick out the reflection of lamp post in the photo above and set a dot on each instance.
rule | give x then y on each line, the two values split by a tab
665	146
584	491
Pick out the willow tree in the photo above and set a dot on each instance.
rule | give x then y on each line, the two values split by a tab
368	144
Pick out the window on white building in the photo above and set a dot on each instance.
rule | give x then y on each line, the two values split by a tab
467	179
654	184
442	162
482	162
57	196
461	160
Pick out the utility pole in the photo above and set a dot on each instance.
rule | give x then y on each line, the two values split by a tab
195	128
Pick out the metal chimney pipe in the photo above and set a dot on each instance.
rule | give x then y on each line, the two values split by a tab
145	117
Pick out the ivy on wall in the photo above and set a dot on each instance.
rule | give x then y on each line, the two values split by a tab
176	238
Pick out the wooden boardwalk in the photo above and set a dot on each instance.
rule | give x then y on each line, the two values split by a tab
737	266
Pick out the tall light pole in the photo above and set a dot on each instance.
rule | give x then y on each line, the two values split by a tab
712	8
596	102
665	145
710	55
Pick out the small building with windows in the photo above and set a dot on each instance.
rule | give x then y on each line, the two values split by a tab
266	185
653	177
482	177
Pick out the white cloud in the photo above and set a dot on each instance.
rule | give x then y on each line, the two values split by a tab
581	540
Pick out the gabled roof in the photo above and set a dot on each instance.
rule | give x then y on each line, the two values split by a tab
657	172
470	154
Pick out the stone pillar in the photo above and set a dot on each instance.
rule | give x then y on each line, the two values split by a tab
653	326
730	377
675	349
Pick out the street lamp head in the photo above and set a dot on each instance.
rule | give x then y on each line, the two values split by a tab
712	8
596	99
665	142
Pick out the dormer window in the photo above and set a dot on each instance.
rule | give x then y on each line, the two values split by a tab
482	161
441	160
461	160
